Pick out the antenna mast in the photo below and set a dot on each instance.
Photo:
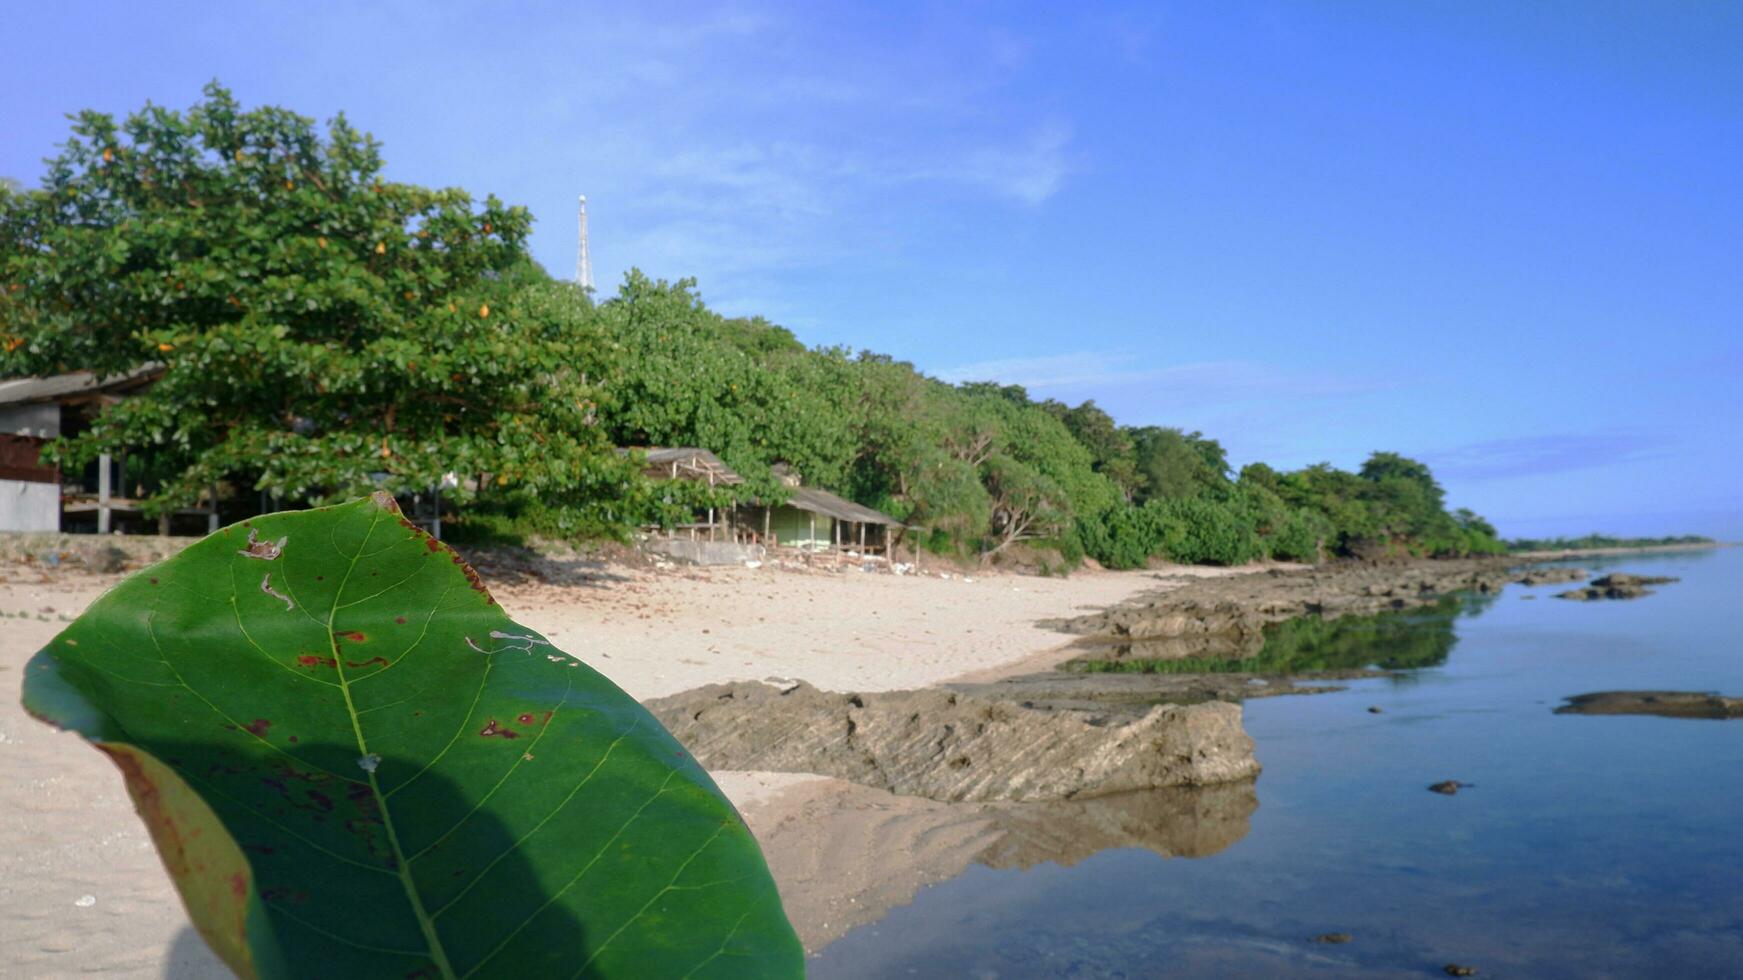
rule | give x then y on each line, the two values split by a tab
583	260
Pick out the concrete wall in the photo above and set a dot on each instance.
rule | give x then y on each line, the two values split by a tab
705	552
29	506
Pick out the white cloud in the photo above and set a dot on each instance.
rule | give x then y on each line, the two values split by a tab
1561	452
657	139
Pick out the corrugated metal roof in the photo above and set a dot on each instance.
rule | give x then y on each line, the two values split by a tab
23	391
823	502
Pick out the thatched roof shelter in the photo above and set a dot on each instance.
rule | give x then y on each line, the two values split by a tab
687	463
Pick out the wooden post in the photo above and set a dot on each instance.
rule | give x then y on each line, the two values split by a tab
163	524
212	513
104	473
811	544
836	524
766	524
436	522
711	524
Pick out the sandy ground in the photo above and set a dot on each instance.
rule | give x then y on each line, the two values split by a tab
84	893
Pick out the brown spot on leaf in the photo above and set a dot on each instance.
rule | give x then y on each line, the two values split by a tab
258	727
400	620
263	550
494	729
310	660
364	663
353	635
525	719
239	885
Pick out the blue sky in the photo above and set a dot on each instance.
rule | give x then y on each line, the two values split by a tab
1502	237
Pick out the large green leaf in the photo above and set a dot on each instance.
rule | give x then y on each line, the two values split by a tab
355	764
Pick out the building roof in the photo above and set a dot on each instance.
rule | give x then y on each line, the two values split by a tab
823	502
64	387
688	462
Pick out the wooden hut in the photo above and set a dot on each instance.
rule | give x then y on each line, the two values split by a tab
817	520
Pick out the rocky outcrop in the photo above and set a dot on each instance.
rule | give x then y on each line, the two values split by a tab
1551	576
951	746
1124	695
1224	618
1619	585
1665	704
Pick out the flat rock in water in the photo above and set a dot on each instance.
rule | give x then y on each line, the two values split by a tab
950	746
1665	704
1334	938
1623	579
1448	787
1618	585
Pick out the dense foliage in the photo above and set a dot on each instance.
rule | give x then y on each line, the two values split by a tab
983	466
1595	541
322	330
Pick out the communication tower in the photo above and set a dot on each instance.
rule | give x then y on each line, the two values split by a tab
583	260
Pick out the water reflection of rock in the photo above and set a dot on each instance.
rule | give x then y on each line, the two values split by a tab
1182	822
844	854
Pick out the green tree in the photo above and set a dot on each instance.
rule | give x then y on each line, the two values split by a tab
1174	464
1109	445
321	329
1026	504
680	378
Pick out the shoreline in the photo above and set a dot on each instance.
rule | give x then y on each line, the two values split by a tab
842	853
89	895
1645	549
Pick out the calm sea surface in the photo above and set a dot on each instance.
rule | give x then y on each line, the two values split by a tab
1588	846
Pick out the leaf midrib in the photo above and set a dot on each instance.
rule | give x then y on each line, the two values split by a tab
402	867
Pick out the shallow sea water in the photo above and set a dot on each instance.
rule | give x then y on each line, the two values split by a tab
1587	846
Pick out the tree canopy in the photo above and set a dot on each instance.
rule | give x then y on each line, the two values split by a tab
321	329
